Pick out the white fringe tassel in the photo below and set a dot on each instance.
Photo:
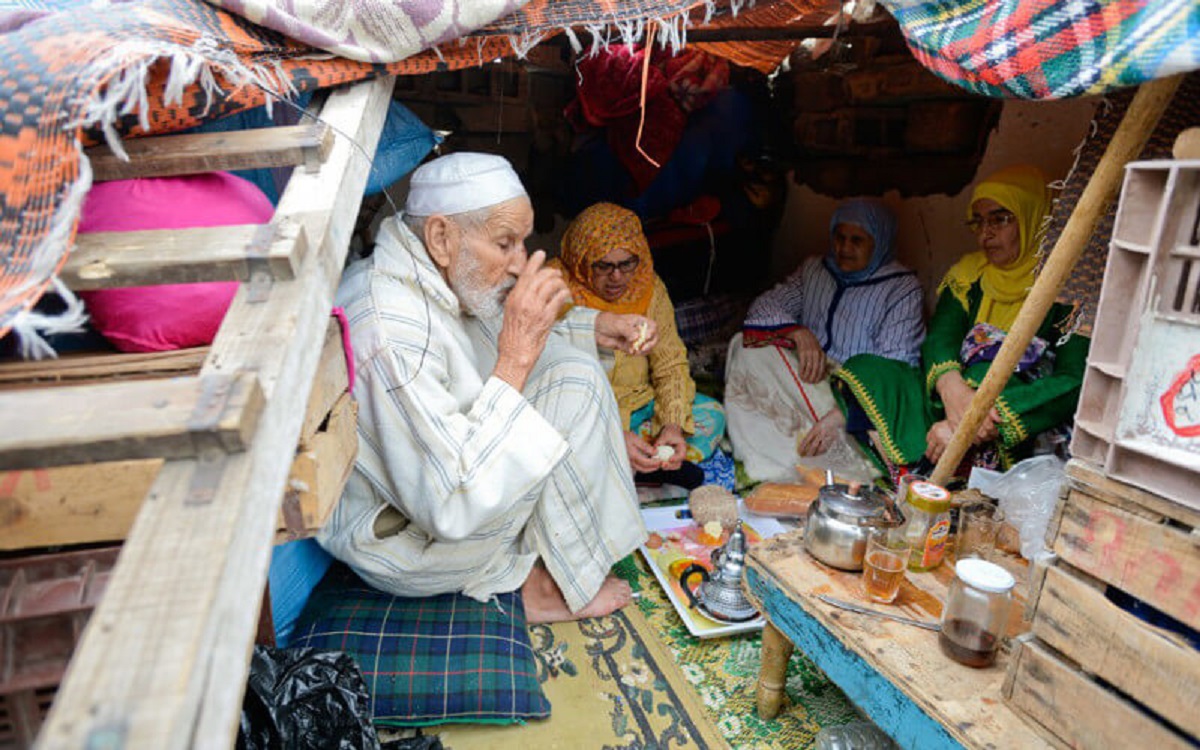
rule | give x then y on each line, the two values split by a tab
31	327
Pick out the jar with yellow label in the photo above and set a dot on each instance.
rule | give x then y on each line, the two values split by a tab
927	524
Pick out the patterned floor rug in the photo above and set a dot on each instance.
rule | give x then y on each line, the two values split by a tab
638	679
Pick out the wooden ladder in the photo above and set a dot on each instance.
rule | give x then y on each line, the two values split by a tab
164	659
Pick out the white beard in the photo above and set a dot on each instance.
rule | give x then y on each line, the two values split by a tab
477	299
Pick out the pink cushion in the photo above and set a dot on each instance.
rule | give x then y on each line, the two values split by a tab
170	316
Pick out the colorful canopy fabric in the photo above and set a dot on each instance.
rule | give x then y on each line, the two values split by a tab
1048	49
75	72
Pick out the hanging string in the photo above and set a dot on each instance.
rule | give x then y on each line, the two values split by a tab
649	49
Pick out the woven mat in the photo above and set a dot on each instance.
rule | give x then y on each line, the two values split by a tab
724	672
611	684
640	680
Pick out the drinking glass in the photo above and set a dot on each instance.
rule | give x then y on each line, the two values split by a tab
978	524
884	564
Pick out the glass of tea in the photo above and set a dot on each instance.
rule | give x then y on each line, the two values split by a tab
884	564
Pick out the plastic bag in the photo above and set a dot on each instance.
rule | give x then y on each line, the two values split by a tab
1027	494
304	698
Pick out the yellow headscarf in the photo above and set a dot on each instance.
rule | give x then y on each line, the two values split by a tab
1022	190
594	233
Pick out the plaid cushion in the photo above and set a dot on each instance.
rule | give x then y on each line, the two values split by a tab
429	660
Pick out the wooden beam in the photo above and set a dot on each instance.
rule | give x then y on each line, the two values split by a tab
164	659
1127	142
104	260
165	155
70	369
119	421
796	33
330	384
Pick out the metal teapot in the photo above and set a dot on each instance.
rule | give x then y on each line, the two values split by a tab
719	595
841	519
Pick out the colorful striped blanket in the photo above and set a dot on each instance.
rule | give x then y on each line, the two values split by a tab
1049	49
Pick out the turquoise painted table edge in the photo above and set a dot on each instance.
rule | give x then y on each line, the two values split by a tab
877	696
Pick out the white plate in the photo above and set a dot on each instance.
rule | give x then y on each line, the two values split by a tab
664	520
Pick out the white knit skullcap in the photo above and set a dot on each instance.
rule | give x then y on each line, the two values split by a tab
460	182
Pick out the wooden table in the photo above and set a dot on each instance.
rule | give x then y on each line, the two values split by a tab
895	673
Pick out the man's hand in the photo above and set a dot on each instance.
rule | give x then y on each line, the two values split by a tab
632	334
956	395
529	311
641	453
810	354
937	439
823	434
672	435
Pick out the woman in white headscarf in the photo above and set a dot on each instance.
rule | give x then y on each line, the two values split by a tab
854	299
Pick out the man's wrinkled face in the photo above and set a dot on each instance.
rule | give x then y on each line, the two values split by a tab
488	260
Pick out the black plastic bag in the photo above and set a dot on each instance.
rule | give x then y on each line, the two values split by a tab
303	698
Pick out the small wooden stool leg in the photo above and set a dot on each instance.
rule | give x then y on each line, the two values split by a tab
772	675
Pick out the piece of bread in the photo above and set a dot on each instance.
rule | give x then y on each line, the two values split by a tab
781	499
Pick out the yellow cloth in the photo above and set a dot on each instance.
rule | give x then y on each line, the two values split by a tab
1022	190
596	231
661	376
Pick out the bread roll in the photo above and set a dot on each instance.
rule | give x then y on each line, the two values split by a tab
712	502
781	499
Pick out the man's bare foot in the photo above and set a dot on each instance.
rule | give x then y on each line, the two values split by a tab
544	600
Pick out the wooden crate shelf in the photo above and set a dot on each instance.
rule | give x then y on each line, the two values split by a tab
1091	672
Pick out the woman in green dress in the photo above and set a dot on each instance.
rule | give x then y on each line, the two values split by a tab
905	414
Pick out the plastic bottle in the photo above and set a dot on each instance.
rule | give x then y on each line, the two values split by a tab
927	524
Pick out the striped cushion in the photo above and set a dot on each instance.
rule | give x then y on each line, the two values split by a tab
429	660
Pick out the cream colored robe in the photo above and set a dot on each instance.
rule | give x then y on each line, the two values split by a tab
461	482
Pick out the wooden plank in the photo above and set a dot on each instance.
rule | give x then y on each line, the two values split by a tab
103	260
319	473
165	155
1092	480
73	369
97	502
1079	711
895	673
128	420
330	384
1155	562
164	659
72	504
1155	669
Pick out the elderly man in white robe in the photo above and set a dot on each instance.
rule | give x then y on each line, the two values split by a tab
490	449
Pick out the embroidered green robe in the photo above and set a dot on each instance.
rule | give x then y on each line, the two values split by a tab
902	402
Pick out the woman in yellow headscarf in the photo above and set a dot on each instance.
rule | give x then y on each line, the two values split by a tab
906	414
607	264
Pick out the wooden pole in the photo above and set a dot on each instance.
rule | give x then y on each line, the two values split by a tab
1127	143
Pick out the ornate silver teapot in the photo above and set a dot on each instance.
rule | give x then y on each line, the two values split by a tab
841	519
719	595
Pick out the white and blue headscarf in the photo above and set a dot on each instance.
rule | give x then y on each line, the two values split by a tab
873	217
